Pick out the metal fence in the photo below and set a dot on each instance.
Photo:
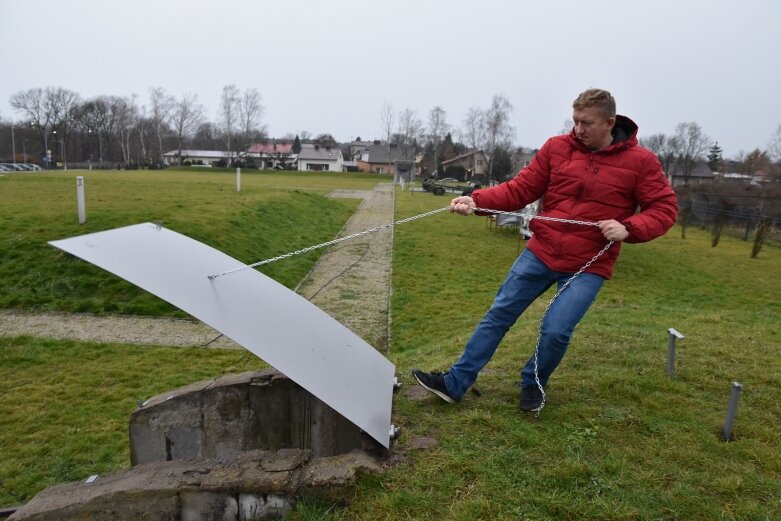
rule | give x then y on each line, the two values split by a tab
740	221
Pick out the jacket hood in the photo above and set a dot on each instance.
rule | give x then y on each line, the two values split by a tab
624	135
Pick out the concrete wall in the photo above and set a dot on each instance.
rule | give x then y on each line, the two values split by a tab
237	413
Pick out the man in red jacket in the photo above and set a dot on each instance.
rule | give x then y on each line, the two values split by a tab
597	174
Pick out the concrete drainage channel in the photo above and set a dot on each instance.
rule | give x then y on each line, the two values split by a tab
242	447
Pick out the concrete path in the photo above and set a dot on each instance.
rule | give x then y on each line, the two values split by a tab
351	282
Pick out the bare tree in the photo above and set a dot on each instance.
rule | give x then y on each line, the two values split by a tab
47	110
160	108
473	131
755	161
566	127
691	144
143	127
774	146
498	131
387	122
126	113
250	114
437	128
409	132
665	148
229	115
97	117
186	117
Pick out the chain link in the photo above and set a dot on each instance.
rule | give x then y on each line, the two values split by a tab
331	242
545	313
541	217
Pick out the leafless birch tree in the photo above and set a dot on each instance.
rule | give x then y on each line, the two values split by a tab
229	115
160	107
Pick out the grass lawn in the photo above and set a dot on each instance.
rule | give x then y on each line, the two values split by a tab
618	439
274	213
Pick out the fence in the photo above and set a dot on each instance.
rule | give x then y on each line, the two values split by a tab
736	220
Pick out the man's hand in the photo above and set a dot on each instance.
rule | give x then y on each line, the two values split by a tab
463	205
613	230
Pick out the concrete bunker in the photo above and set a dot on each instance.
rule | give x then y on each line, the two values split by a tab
241	447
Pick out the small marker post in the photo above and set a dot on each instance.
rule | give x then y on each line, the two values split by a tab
238	179
80	201
732	410
674	335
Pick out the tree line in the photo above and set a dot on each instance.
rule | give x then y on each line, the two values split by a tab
109	129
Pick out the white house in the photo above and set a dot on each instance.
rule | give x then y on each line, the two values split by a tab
320	158
206	156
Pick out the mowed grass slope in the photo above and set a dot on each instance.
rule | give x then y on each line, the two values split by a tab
273	214
618	439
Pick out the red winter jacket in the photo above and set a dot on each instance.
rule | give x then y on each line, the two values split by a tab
577	183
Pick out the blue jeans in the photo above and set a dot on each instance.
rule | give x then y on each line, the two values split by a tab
528	279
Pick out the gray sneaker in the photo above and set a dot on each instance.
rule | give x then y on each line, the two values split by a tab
531	399
434	382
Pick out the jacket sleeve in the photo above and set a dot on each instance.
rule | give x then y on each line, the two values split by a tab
657	201
525	188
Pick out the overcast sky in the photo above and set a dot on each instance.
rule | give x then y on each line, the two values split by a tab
329	66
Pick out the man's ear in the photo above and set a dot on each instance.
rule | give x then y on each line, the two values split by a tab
611	122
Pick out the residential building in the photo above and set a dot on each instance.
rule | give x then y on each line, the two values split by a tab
358	147
474	163
700	174
271	155
320	158
380	158
207	157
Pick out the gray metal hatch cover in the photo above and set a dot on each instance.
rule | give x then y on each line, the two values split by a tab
276	324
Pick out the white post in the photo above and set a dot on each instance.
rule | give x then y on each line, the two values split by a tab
238	179
80	199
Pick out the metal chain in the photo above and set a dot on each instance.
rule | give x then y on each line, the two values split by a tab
541	217
542	319
330	243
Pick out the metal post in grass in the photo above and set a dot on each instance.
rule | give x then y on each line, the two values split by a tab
674	335
732	410
238	179
80	199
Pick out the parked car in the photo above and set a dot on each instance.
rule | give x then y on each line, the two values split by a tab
4	168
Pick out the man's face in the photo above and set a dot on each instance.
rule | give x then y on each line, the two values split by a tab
592	128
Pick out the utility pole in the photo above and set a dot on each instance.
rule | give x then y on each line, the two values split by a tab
13	141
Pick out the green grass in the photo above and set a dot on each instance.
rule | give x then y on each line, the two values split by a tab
65	405
273	214
617	440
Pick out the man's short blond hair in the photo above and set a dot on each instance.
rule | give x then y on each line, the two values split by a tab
599	98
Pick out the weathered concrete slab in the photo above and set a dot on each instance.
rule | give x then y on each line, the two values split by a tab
257	485
238	413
